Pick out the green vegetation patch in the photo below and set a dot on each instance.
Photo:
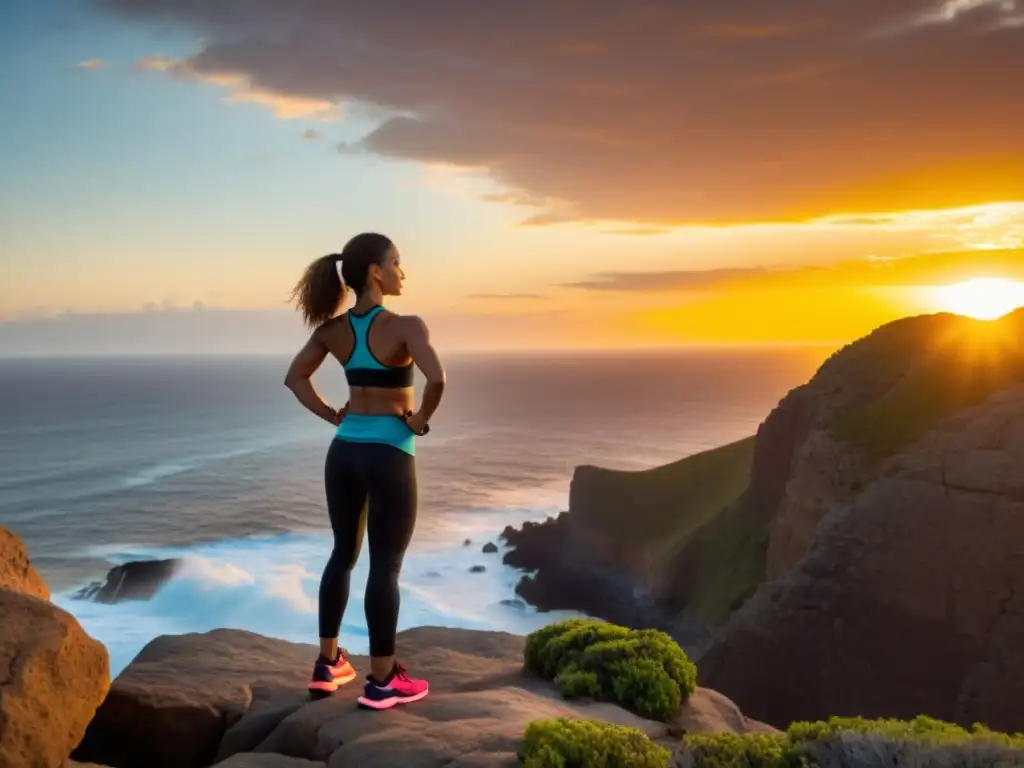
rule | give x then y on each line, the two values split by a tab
856	741
663	506
643	671
693	516
727	560
572	743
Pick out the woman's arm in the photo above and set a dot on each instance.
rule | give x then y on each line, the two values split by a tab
299	380
417	342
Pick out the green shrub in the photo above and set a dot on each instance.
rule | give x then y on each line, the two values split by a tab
643	671
571	743
856	741
727	750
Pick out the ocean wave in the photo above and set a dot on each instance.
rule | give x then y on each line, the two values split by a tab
269	585
164	469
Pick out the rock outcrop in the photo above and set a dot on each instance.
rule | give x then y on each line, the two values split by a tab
54	675
134	580
16	571
910	599
239	699
823	442
626	549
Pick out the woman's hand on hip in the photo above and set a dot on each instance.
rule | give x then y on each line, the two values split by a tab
417	423
339	414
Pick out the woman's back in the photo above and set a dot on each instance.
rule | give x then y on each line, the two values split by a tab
370	347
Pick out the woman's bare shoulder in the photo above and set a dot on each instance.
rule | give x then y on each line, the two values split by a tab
335	328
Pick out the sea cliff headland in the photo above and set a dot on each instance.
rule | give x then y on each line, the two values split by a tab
873	523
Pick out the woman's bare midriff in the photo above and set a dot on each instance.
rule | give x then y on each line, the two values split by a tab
374	401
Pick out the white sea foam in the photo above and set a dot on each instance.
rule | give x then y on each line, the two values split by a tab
269	584
187	463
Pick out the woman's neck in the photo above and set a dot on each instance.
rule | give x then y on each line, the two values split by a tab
368	300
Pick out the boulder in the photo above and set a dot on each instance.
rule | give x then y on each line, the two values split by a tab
240	699
16	571
910	599
134	580
54	677
174	701
489	548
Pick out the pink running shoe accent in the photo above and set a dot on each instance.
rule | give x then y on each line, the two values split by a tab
342	671
327	677
400	689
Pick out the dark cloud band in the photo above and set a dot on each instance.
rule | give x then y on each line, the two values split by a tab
661	113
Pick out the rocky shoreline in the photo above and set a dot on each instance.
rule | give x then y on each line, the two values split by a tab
236	699
554	582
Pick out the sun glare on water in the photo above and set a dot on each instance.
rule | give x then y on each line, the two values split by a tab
984	298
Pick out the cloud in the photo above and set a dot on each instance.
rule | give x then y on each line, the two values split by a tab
994	13
508	296
92	65
921	269
639	231
242	90
656	114
671	280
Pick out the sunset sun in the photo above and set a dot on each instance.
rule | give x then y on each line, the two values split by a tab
984	298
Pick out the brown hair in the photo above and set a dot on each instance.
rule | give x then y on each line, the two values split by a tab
320	291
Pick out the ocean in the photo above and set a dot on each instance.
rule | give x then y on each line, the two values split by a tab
105	460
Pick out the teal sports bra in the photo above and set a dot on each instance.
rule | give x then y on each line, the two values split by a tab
362	369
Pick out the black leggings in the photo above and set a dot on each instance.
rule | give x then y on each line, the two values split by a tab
386	475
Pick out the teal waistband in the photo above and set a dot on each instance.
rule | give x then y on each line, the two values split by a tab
390	430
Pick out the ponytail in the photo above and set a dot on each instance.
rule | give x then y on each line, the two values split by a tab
320	291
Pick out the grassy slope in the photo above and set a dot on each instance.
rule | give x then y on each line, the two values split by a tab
667	504
693	510
730	555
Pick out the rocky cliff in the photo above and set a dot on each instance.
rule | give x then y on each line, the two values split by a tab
823	442
627	548
674	543
910	596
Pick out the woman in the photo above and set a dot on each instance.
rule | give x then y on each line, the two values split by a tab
370	471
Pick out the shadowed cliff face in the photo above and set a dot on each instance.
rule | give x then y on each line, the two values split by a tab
823	442
910	599
786	496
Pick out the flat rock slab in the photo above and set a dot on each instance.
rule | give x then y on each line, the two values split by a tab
171	705
238	699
